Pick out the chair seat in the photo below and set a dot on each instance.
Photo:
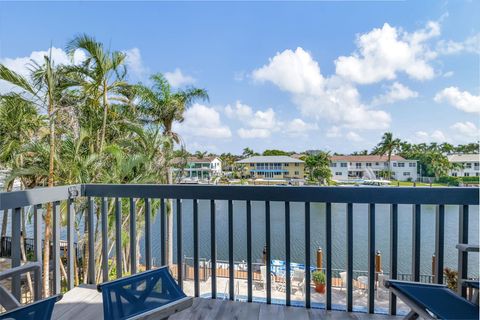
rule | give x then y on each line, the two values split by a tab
438	300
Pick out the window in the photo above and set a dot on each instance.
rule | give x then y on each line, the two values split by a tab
385	164
406	174
454	174
338	173
401	164
467	174
358	165
343	164
477	174
394	164
468	165
297	164
376	163
412	164
285	164
297	173
369	164
333	164
252	164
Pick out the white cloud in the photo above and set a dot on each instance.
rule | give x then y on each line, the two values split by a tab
466	131
396	92
202	121
257	124
334	132
462	100
384	52
23	65
134	62
253	133
353	136
178	79
292	71
298	127
334	99
469	45
448	74
435	136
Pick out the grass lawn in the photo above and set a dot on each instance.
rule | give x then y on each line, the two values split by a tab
418	184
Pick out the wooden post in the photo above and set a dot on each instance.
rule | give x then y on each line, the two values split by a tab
434	259
319	258
378	264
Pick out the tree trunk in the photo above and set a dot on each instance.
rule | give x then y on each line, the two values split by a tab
5	215
105	112
48	215
169	243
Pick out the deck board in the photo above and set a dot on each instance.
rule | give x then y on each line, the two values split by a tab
85	303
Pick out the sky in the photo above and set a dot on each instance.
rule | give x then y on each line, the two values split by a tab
330	75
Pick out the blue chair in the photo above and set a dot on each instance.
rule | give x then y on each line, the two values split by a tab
39	310
432	301
152	294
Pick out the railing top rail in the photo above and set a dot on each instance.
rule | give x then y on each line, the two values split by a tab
17	199
380	195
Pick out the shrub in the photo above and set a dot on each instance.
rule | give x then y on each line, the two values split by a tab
451	181
451	277
318	277
470	180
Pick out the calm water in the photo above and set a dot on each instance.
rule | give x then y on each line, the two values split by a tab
360	234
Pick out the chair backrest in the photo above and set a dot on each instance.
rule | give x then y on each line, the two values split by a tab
39	310
137	294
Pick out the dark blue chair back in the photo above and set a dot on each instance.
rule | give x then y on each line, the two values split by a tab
134	295
39	310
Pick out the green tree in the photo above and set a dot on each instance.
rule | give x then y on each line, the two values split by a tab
102	73
387	146
318	167
161	107
274	152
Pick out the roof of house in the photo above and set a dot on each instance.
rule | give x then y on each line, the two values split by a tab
464	157
367	158
270	159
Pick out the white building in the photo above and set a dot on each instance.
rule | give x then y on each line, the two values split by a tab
467	165
198	168
370	167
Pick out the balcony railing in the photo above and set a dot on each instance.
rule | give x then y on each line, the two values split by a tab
97	197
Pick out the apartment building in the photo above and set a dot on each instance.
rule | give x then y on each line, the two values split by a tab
466	165
272	167
371	167
198	168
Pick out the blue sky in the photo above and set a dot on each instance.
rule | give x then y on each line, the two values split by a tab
294	76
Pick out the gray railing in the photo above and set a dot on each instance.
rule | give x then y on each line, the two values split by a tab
393	196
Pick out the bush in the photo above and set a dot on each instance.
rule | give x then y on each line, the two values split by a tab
318	277
451	277
451	181
470	180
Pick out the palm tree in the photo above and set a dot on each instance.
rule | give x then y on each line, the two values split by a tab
387	146
45	90
103	73
162	107
19	123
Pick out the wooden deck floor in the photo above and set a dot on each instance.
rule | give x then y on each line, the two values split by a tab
85	303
